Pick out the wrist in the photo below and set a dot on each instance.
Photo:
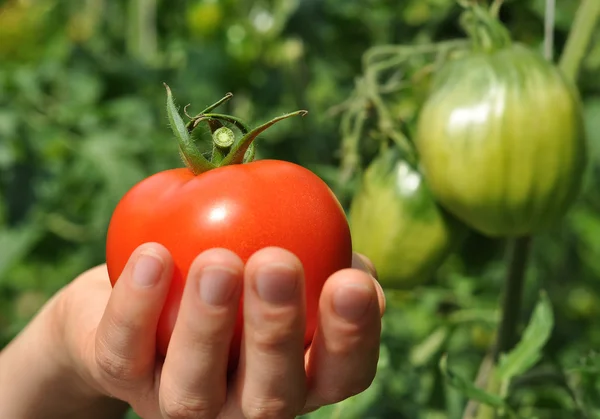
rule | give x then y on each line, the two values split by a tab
42	379
86	398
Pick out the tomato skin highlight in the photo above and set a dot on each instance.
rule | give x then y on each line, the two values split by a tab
501	141
243	208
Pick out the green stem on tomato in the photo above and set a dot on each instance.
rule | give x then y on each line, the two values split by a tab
484	28
579	38
223	138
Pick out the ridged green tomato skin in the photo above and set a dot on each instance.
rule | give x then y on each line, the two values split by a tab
395	221
501	141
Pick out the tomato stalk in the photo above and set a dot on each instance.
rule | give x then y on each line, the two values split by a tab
484	28
223	138
226	150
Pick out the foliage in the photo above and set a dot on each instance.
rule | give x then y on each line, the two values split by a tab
82	118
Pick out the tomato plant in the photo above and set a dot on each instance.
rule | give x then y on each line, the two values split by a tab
231	202
396	222
501	138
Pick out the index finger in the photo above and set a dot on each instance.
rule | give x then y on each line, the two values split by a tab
125	344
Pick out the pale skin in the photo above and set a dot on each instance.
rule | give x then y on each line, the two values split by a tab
90	352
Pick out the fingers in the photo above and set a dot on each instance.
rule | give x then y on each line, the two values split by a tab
363	263
343	357
193	382
126	334
360	261
271	378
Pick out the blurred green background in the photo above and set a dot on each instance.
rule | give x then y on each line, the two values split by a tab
82	118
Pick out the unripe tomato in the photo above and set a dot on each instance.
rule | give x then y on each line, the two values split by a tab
396	222
241	207
501	141
204	18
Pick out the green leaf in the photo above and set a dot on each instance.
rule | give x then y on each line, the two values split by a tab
468	388
529	350
131	415
192	157
423	352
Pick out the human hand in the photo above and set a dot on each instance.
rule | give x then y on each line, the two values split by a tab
110	335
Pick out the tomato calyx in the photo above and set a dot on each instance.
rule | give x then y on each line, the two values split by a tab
226	150
484	28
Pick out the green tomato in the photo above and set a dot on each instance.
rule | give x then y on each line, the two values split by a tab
204	18
501	141
395	221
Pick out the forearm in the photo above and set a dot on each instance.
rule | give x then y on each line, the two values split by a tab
36	380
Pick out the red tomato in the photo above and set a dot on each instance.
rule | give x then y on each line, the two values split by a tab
241	207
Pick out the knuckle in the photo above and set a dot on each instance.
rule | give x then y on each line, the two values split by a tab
273	408
275	337
211	336
124	324
188	408
114	366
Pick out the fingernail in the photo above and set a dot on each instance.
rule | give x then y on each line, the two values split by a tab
148	268
381	293
276	283
217	285
352	301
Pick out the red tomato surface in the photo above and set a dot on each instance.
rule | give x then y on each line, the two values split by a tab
243	208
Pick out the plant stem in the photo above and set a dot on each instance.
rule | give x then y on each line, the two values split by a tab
223	138
579	38
549	30
513	295
486	368
512	299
